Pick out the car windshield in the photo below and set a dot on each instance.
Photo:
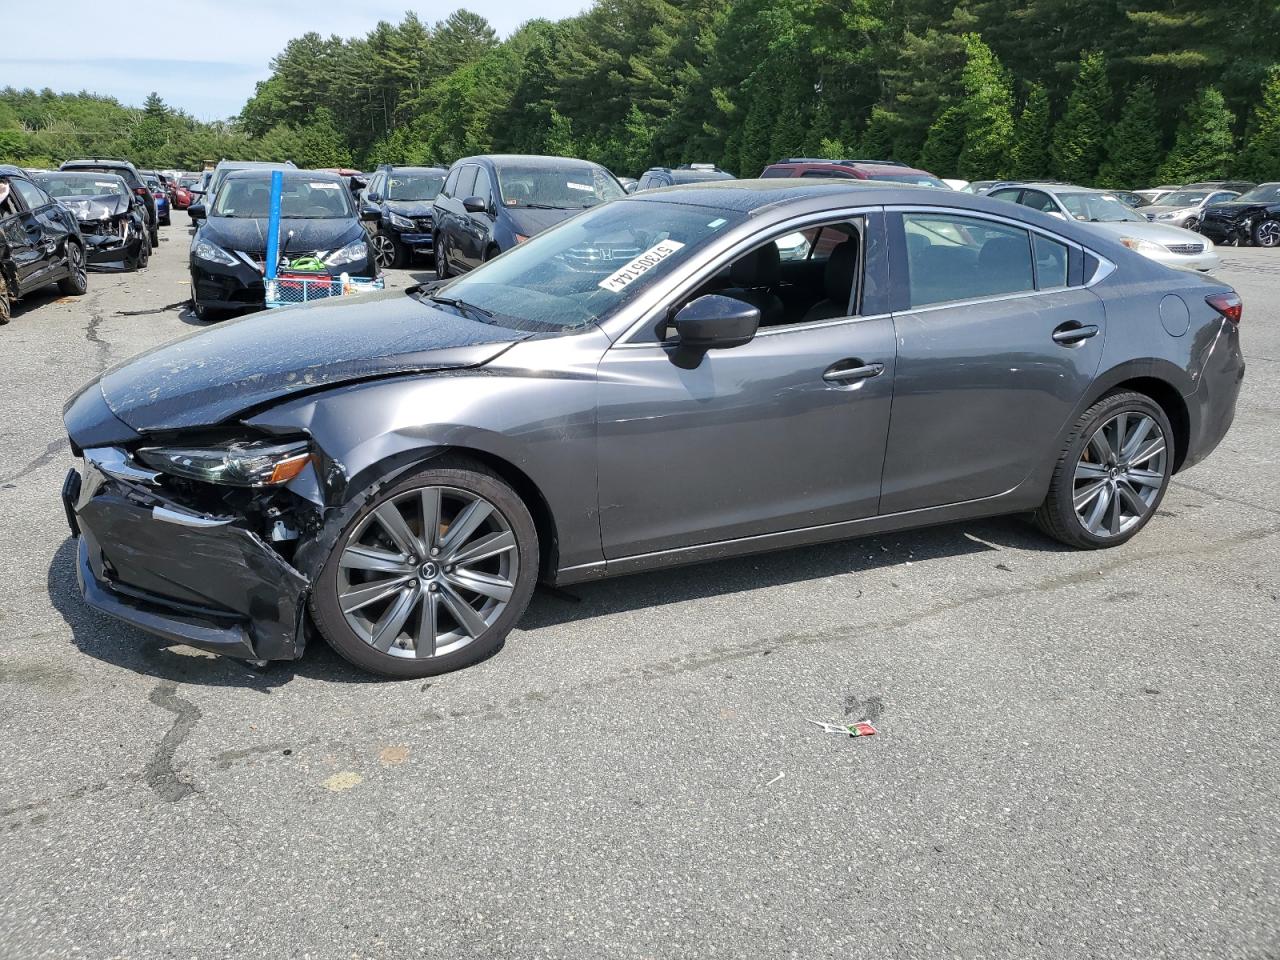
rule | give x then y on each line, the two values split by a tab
586	268
1183	198
1098	208
919	179
65	186
1263	193
414	186
301	199
556	188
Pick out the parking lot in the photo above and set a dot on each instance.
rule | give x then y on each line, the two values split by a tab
1076	752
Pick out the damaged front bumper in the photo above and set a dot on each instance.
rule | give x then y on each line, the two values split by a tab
191	577
107	243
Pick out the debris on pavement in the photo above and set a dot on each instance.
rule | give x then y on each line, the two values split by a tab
859	729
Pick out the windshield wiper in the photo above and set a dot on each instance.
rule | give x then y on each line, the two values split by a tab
463	307
542	206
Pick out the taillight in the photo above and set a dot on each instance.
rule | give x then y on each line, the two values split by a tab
1228	304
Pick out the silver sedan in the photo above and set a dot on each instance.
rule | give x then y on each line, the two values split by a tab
1184	208
1102	213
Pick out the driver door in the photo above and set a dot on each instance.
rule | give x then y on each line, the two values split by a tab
761	438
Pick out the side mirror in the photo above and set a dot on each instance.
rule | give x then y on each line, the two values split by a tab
196	211
475	205
715	322
369	212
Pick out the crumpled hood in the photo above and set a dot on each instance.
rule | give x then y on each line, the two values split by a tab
1232	209
529	222
215	374
410	208
296	236
87	209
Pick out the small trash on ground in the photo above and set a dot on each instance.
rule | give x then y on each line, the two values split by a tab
859	729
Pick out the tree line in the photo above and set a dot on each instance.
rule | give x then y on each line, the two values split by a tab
1123	93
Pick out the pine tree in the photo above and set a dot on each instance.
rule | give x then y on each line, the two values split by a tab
1133	148
1203	147
1029	156
940	154
988	113
1079	135
1260	159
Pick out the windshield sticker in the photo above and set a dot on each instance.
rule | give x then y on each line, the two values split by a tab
641	265
580	186
716	223
324	186
103	183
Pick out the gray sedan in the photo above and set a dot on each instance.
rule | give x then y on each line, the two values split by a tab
651	383
1103	213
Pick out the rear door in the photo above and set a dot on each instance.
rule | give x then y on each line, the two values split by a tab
998	340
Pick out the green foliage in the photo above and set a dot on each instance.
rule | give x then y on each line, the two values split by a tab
1260	159
988	113
632	83
1133	148
1079	136
1029	155
1203	147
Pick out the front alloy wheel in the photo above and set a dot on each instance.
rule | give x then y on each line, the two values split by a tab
384	249
1267	233
1113	473
77	280
431	575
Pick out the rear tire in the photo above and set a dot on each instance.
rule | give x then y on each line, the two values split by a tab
155	237
6	305
365	556
76	283
1112	474
442	260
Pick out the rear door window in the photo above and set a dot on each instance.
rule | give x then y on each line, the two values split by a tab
1051	262
952	258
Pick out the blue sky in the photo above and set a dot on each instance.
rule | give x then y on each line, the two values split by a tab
203	56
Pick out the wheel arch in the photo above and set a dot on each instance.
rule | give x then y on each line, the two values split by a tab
1159	381
394	466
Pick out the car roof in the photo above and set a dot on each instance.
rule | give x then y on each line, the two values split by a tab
390	168
529	160
862	165
8	170
88	163
255	165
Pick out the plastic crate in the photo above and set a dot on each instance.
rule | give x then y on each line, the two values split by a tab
289	289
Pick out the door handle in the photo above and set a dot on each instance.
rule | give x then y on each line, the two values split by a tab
1073	332
847	371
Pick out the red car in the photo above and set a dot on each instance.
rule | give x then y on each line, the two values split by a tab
180	196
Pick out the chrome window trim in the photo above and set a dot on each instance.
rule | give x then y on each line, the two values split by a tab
727	249
764	332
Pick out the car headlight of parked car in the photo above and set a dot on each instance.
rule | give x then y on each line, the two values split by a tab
238	463
1139	245
353	251
214	254
403	223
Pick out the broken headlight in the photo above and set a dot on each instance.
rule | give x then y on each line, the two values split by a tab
239	463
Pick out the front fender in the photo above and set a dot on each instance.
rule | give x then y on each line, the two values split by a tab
533	408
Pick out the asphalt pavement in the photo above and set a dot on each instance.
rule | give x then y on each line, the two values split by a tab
1077	752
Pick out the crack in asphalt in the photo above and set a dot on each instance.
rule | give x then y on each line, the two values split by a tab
1223	498
96	319
51	451
160	774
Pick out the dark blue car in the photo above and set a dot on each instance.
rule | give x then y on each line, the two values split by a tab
161	195
398	200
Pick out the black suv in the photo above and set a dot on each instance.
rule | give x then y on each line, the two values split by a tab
401	198
40	242
656	177
131	176
490	203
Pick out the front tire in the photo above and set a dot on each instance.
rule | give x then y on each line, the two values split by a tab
428	574
1109	480
76	283
1266	233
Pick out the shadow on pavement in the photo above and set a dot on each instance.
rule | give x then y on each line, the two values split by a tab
119	644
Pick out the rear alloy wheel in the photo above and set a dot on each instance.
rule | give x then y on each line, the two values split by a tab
430	575
1112	476
1266	234
77	280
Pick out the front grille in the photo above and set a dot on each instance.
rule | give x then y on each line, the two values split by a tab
1186	248
423	224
